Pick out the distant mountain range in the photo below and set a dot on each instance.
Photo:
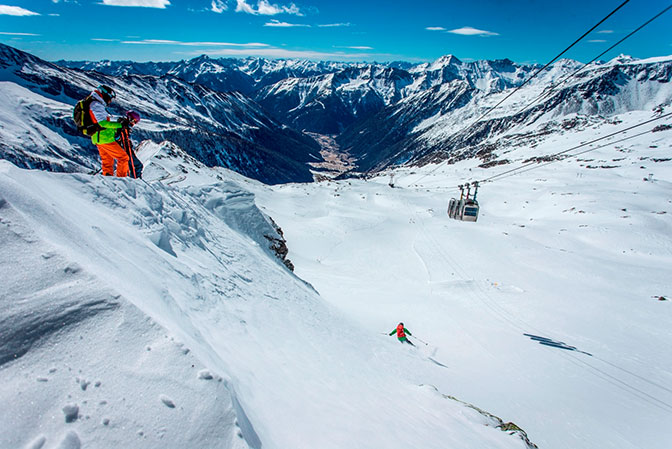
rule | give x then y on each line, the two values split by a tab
255	115
321	97
218	128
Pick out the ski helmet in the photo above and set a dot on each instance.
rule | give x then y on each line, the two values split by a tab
133	117
107	93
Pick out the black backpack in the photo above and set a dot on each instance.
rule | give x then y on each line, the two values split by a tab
82	117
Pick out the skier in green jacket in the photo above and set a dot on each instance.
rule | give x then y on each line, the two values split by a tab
108	148
401	334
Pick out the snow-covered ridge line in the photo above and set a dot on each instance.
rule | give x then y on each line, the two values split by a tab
383	115
218	128
355	100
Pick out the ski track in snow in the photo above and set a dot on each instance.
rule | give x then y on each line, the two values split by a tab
567	251
162	319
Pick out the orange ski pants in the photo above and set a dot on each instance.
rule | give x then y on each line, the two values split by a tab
108	153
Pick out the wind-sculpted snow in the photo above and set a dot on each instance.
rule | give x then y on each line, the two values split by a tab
81	364
198	338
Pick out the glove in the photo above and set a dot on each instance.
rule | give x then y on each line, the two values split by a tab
125	123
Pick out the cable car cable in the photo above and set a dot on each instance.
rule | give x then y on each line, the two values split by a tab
547	93
535	74
534	165
552	60
577	147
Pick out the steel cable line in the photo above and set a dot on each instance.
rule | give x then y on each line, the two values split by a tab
553	86
543	164
646	397
534	165
490	179
551	61
535	74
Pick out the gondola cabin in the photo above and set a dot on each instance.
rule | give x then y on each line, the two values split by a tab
452	208
464	209
470	211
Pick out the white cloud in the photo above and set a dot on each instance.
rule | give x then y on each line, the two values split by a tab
598	41
265	8
359	47
139	3
277	23
15	11
469	31
218	6
18	34
334	25
104	40
605	32
435	29
274	52
193	44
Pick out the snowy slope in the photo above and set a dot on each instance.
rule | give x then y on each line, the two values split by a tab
577	252
157	315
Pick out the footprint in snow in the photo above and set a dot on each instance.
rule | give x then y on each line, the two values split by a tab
71	441
37	443
167	401
205	375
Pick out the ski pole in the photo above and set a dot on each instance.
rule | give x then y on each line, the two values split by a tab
420	340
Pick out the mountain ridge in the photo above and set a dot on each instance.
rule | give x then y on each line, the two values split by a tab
218	128
379	115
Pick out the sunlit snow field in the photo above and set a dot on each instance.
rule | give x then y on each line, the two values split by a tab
570	252
152	314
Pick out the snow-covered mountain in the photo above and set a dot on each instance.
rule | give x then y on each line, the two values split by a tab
218	128
328	104
391	114
201	308
245	75
380	114
440	123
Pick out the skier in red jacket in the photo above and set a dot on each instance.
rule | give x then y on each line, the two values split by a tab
401	334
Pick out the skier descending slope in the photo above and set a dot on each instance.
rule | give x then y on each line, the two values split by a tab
401	334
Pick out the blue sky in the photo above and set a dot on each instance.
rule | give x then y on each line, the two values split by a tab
352	30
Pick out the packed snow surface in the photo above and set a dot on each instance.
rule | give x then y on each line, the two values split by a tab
152	314
546	311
